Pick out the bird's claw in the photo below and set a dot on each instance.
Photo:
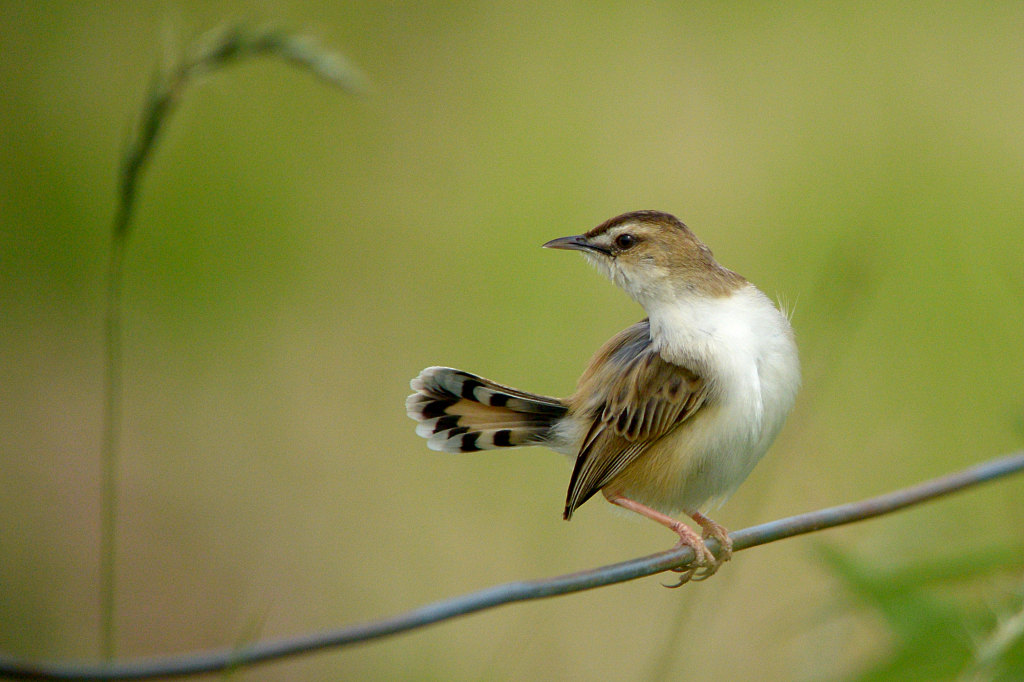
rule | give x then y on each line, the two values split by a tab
703	566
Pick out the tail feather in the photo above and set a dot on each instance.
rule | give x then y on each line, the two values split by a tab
461	412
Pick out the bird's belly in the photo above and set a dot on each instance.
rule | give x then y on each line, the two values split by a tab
696	467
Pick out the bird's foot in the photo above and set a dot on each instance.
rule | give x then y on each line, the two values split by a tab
701	570
719	533
704	563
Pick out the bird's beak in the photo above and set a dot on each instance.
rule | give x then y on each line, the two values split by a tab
577	242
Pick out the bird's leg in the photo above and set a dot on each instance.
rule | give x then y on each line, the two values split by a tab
718	532
703	560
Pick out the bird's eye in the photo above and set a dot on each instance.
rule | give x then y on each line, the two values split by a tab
625	241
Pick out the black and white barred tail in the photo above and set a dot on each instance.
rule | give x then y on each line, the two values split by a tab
461	412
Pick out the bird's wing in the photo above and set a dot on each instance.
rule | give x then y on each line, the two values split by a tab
624	423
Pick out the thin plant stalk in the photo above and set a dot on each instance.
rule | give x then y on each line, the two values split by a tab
216	49
111	438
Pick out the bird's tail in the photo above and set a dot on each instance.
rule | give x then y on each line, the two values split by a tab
461	412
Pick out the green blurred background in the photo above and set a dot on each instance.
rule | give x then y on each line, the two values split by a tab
299	254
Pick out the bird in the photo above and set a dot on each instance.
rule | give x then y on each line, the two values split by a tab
671	414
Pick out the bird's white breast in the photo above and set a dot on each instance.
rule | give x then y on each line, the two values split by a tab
743	345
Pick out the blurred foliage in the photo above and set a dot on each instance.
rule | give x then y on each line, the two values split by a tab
940	629
298	256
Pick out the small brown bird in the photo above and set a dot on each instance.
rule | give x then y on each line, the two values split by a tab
671	414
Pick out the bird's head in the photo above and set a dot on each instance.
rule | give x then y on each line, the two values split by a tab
653	256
